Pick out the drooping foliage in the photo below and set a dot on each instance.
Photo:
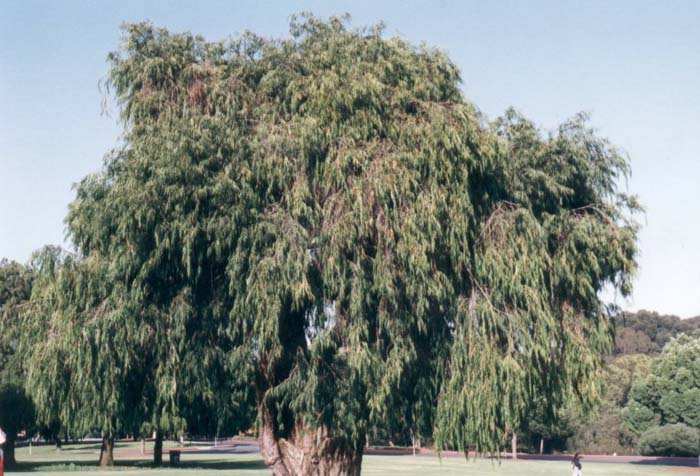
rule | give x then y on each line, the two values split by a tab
328	214
101	359
533	323
85	350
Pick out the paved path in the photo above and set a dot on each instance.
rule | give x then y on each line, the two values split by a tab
250	446
662	460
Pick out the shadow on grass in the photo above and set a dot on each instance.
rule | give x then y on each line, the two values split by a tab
669	461
30	467
223	464
76	447
691	462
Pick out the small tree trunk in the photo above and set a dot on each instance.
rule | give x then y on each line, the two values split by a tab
9	451
107	452
541	445
158	449
308	452
514	444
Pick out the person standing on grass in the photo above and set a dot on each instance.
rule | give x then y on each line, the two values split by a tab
576	464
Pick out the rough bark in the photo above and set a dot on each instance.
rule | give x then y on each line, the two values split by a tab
308	452
107	452
514	444
158	449
294	449
9	451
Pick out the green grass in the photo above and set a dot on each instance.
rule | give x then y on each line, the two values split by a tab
46	461
422	466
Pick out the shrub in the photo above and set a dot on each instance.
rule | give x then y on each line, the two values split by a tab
669	440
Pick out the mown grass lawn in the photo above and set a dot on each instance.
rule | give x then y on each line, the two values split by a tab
46	461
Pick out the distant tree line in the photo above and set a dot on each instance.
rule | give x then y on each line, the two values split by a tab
647	332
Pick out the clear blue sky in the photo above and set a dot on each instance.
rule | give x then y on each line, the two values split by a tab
634	65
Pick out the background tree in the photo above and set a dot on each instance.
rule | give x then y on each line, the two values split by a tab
16	409
640	336
52	432
603	431
657	327
671	392
670	440
630	341
16	414
15	291
545	433
85	348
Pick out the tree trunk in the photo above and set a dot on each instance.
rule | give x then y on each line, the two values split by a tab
107	452
293	448
158	449
541	445
9	451
514	444
308	452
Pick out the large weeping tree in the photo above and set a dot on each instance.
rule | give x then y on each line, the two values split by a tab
327	219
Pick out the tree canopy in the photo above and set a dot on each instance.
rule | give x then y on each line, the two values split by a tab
328	220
